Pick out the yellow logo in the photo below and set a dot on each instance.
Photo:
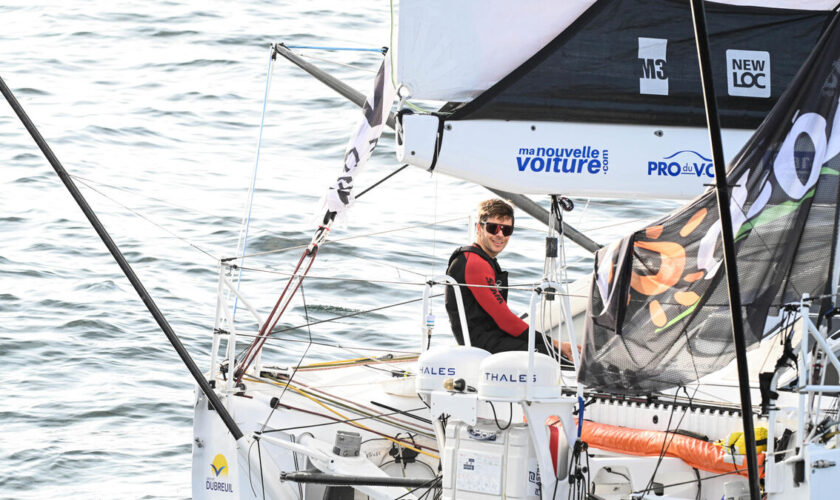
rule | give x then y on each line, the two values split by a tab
219	465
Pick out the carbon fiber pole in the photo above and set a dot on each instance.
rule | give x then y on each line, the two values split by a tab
344	480
118	256
698	13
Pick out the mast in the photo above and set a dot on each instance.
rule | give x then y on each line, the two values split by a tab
123	263
701	36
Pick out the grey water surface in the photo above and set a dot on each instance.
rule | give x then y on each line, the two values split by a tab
154	108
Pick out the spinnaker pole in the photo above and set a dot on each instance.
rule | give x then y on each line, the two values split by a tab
124	265
698	13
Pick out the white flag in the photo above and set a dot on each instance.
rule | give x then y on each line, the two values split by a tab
376	109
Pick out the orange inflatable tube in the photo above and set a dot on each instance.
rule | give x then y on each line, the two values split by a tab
694	452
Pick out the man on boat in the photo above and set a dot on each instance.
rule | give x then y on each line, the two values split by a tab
492	325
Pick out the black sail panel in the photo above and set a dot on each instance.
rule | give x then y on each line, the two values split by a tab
658	315
635	61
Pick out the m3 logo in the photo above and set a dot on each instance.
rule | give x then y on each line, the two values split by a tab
748	73
653	53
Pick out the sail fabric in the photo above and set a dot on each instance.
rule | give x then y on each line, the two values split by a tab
377	106
454	51
658	314
634	61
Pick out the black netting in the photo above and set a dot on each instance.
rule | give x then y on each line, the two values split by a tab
659	310
596	70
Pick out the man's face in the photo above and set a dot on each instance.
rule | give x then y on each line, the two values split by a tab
493	244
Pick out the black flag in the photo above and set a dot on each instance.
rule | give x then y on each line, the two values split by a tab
658	314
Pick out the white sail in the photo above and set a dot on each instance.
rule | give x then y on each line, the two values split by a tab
453	51
456	50
608	104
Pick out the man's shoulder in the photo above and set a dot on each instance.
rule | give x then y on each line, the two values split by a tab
471	249
463	251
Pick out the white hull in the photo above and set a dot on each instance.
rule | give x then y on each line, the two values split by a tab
323	395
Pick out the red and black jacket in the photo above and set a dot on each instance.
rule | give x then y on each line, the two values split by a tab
492	325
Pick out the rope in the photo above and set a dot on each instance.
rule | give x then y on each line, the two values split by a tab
429	485
354	423
347	405
682	483
665	442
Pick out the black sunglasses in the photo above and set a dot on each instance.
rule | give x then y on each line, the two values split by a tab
493	228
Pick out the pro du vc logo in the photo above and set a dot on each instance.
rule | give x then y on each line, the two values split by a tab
652	52
748	73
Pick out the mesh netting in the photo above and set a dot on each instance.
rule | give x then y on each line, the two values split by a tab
659	310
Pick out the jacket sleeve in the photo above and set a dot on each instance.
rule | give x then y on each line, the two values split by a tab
479	272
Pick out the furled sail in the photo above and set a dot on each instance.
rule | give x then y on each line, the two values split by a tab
658	315
609	104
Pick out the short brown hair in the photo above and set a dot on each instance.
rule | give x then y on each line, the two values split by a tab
494	207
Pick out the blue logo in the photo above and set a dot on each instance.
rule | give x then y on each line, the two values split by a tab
519	378
437	370
686	162
582	160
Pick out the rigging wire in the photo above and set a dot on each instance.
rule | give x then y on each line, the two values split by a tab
242	243
434	227
331	61
339	240
319	47
324	424
138	214
300	361
522	287
168	203
391	41
386	264
88	182
665	442
380	181
283	302
354	423
310	323
334	346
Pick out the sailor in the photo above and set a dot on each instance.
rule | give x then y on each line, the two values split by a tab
492	325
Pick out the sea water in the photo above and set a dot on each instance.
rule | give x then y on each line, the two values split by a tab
154	108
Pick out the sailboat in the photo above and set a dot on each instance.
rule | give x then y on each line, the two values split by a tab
637	417
595	99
